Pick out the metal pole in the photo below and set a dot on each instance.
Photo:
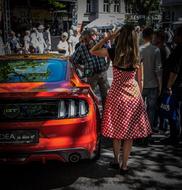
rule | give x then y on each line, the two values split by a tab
6	18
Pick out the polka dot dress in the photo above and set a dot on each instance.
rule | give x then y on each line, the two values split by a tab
125	116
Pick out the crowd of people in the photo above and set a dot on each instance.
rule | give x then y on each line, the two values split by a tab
147	66
38	40
35	40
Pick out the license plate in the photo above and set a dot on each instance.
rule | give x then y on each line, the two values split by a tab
19	137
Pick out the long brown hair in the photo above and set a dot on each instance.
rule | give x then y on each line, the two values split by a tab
127	50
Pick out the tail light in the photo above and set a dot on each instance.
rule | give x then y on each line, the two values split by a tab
72	108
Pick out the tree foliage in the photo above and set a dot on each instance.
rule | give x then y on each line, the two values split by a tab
142	7
23	71
55	3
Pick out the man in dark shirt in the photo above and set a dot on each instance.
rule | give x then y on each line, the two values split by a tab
95	68
174	85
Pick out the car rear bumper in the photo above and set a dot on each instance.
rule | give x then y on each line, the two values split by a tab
67	141
65	155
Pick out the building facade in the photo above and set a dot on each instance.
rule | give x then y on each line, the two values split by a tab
89	10
172	10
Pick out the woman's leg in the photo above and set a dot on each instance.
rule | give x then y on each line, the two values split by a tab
116	149
127	145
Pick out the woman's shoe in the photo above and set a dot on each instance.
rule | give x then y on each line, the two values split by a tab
114	165
123	171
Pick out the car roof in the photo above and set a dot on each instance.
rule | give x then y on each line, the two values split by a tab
33	57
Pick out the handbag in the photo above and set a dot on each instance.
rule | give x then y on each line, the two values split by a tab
168	108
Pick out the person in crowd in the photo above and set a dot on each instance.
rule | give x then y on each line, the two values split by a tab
159	41
151	59
63	46
169	37
19	37
95	68
81	65
55	27
125	117
14	43
95	34
27	41
70	32
47	37
79	43
138	30
174	85
41	42
109	43
2	46
33	41
73	40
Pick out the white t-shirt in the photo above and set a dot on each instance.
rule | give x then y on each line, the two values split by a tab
63	46
33	40
27	42
73	40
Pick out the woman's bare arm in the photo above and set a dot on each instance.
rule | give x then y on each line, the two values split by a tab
139	77
171	81
98	49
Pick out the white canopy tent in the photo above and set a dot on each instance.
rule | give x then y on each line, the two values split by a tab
178	22
106	22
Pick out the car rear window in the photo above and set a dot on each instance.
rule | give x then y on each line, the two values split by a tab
51	70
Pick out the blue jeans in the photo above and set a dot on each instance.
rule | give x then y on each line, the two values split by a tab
150	96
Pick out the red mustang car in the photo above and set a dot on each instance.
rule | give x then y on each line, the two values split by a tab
46	111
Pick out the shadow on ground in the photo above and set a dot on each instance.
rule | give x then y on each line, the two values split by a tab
153	167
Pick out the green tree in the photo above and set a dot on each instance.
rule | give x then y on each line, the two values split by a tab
55	3
23	71
142	7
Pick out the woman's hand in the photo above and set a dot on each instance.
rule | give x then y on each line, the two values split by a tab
111	35
169	91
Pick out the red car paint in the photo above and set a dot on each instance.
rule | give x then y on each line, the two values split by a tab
64	139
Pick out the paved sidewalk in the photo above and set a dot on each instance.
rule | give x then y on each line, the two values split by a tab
153	167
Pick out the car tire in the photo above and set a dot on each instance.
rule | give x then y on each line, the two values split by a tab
96	154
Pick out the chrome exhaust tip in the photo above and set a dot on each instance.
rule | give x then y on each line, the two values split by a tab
74	157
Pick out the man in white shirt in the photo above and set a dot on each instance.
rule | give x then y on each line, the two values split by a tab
47	37
33	41
63	46
27	41
73	40
41	42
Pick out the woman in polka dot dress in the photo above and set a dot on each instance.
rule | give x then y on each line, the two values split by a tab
125	117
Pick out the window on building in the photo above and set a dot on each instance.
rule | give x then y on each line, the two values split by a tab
88	10
116	6
106	6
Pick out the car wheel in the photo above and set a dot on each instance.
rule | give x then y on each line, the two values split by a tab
96	154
